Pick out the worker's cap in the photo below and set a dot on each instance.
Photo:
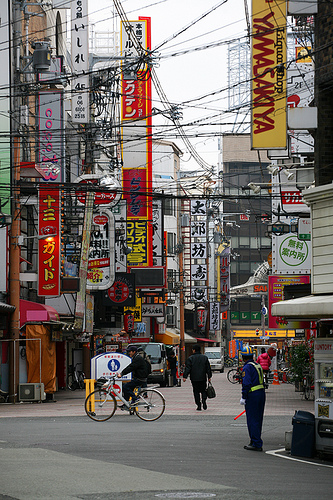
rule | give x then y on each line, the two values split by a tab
132	348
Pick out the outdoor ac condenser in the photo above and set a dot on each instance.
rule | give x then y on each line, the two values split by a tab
31	392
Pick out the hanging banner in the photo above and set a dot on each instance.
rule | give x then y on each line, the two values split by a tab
51	136
136	139
269	74
49	210
214	316
158	232
101	272
80	61
80	306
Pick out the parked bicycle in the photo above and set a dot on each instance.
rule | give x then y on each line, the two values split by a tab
101	404
75	379
308	385
229	362
235	375
4	396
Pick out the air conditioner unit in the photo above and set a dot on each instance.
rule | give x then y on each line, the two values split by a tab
31	392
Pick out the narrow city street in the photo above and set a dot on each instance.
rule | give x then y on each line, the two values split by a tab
57	452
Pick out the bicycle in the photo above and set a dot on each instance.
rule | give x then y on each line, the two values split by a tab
229	362
308	387
75	379
101	404
4	396
234	376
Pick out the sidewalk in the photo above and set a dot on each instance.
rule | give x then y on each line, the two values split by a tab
280	400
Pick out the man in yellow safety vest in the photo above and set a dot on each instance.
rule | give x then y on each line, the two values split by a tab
253	397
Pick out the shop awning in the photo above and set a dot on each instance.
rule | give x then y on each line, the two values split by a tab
33	312
168	338
172	337
309	307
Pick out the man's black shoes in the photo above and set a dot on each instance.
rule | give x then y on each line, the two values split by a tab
198	408
204	405
252	448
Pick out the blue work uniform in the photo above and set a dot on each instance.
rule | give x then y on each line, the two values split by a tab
254	394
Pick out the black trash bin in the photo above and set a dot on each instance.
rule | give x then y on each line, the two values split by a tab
303	439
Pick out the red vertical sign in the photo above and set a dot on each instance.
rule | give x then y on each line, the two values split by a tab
49	241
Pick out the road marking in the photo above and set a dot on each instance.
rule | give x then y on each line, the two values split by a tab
275	453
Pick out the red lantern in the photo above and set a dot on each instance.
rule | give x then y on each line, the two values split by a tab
129	322
201	317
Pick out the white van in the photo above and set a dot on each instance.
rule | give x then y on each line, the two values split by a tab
216	358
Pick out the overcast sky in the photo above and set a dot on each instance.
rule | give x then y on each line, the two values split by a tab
200	72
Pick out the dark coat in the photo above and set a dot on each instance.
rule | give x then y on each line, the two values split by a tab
137	367
198	367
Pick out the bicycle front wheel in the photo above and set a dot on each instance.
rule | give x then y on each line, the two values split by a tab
150	405
232	376
100	405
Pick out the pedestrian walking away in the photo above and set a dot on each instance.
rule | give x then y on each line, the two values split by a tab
173	367
198	368
265	362
253	397
139	374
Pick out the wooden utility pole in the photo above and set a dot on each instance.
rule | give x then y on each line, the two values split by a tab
14	278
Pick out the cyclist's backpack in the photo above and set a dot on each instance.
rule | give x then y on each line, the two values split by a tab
147	365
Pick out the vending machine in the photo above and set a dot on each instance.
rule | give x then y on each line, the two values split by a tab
323	361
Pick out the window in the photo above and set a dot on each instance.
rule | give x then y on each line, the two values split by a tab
171	242
169	206
170	315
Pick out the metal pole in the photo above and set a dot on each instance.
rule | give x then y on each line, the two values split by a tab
181	311
263	316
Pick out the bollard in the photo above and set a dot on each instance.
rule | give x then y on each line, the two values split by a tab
90	386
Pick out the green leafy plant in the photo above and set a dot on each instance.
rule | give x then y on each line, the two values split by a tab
301	359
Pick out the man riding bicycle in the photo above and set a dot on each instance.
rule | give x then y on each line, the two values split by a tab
139	374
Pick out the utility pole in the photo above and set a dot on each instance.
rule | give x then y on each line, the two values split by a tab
15	230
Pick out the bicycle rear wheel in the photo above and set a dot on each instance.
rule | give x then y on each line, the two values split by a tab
232	376
151	406
72	383
100	405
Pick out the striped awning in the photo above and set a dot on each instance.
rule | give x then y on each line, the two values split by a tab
6	308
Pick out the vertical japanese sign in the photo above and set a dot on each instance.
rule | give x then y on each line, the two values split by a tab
51	135
199	270
269	74
80	60
49	242
158	232
223	288
214	316
101	252
136	140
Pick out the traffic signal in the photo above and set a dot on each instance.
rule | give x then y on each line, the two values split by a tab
257	331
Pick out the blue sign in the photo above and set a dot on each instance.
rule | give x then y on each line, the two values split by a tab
113	365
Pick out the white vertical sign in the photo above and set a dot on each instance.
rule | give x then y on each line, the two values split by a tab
80	61
214	316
